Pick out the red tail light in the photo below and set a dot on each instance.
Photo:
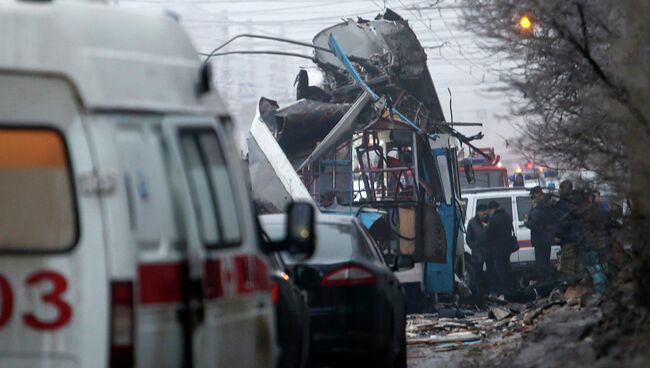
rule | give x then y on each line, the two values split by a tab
121	353
275	293
349	276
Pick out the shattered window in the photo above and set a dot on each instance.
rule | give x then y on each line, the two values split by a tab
443	169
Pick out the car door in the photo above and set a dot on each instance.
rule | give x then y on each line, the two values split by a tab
526	251
145	237
505	202
523	205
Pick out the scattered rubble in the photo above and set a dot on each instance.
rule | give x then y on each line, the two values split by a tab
557	330
453	328
499	313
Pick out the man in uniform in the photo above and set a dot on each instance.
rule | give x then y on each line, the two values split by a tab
540	221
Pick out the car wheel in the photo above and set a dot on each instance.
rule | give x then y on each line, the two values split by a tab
400	359
396	352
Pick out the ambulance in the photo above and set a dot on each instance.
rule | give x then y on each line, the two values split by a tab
126	232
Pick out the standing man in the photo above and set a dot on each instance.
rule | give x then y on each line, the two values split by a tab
569	230
498	236
542	232
475	240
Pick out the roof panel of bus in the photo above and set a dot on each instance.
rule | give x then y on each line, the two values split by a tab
117	59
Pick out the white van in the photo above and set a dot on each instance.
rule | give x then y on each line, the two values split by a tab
126	233
517	203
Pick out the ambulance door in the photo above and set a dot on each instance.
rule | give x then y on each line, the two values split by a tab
146	242
523	204
53	294
231	316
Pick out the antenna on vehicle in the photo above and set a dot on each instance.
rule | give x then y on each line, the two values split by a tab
451	110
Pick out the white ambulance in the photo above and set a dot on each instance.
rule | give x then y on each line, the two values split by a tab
126	233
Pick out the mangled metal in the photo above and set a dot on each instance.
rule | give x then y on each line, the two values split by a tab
362	141
274	183
393	56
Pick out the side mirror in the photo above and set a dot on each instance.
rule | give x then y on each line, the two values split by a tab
306	277
469	171
301	235
403	263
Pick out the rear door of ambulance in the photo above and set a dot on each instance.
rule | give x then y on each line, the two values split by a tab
146	241
231	307
53	290
176	240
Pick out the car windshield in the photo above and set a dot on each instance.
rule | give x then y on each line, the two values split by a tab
485	179
335	242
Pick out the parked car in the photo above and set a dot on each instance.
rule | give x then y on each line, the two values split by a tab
127	238
517	203
291	315
357	305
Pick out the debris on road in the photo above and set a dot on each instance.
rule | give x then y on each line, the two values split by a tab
500	333
452	337
453	328
499	313
574	295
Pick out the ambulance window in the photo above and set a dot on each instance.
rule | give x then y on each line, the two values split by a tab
37	208
145	176
504	202
213	192
523	207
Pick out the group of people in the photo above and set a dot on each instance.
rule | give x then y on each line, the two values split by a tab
580	221
587	230
490	235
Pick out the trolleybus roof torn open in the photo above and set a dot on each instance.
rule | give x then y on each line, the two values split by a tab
372	140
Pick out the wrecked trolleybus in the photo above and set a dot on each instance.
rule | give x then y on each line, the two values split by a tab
372	141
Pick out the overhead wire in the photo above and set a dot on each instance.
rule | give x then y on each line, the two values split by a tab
440	52
256	52
428	26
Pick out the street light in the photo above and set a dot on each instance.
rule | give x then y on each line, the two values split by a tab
525	23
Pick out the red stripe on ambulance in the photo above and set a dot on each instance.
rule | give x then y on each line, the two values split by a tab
162	283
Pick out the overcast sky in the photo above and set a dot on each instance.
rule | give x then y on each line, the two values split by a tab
454	58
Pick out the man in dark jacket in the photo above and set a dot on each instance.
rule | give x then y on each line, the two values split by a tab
475	241
498	237
540	221
570	231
